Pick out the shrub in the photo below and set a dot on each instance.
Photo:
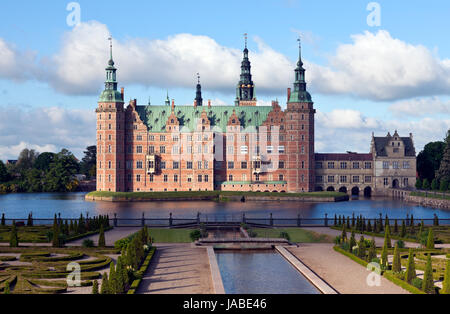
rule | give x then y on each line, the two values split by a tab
95	287
417	282
446	282
410	274
396	263
101	238
401	244
14	239
430	239
285	235
426	184
428	282
195	235
88	243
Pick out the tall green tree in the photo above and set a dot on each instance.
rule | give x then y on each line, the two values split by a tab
387	237
446	282
429	160
410	274
428	281
372	254
430	239
95	287
14	239
43	161
101	238
26	160
4	175
89	161
396	263
105	285
443	173
112	279
426	184
384	256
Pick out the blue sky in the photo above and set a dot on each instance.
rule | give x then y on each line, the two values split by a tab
407	56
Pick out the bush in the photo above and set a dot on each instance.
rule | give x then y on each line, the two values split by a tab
285	235
417	282
401	244
88	243
195	235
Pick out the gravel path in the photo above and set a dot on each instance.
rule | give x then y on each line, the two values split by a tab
178	269
111	236
339	271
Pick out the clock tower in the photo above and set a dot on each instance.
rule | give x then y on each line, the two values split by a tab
245	91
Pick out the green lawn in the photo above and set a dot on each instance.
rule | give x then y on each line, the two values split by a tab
296	235
432	195
36	234
170	235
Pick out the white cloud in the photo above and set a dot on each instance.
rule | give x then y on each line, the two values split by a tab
379	67
420	107
14	64
45	129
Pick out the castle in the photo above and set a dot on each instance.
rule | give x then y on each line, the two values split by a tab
144	148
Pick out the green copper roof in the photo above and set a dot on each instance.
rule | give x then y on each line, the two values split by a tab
300	96
110	96
155	117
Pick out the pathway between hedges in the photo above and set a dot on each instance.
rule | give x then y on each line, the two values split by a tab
111	236
178	269
339	271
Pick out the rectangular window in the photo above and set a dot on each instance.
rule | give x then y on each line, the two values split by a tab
199	178
138	178
189	179
175	178
244	177
395	165
139	165
199	165
244	165
162	149
163	165
166	178
281	165
206	178
151	150
356	165
319	179
139	138
368	179
152	178
230	178
151	138
231	165
176	165
343	165
206	164
331	179
343	179
367	165
331	165
244	150
319	165
162	138
406	165
189	165
230	150
386	181
281	149
385	164
269	149
281	177
355	179
175	149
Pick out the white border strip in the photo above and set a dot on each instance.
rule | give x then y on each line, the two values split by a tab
215	272
302	268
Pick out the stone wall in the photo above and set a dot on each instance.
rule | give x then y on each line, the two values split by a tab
428	201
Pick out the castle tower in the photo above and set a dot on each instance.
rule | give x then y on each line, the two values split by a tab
111	134
198	96
300	134
245	91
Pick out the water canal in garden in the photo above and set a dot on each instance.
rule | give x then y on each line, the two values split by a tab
71	205
260	272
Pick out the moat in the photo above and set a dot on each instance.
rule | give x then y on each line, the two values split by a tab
71	205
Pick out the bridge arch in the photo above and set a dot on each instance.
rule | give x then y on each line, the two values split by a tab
343	189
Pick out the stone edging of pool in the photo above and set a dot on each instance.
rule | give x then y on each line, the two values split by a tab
318	282
216	277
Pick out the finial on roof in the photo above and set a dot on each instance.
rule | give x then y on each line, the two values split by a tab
245	37
111	62
198	77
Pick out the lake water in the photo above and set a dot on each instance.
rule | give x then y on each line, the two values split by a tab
45	205
260	273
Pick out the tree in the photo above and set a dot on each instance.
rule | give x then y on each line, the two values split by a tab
112	279
430	239
344	233
4	175
14	239
426	184
7	289
352	242
89	160
372	254
419	184
434	185
384	256
101	238
444	170
26	160
55	230
395	227
60	176
396	263
410	274
428	282
443	187
43	161
362	248
403	231
105	284
95	287
446	282
3	220
429	160
387	237
120	279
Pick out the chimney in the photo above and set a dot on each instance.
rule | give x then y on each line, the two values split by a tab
209	103
122	92
173	104
195	103
289	94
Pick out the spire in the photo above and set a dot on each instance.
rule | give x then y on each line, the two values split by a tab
167	99
110	94
300	94
198	96
245	89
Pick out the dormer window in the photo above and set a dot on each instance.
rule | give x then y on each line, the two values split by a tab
172	121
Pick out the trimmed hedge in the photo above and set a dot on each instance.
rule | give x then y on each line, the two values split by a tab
87	234
351	256
135	284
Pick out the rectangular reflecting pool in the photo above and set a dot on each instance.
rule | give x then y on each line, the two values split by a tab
260	272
